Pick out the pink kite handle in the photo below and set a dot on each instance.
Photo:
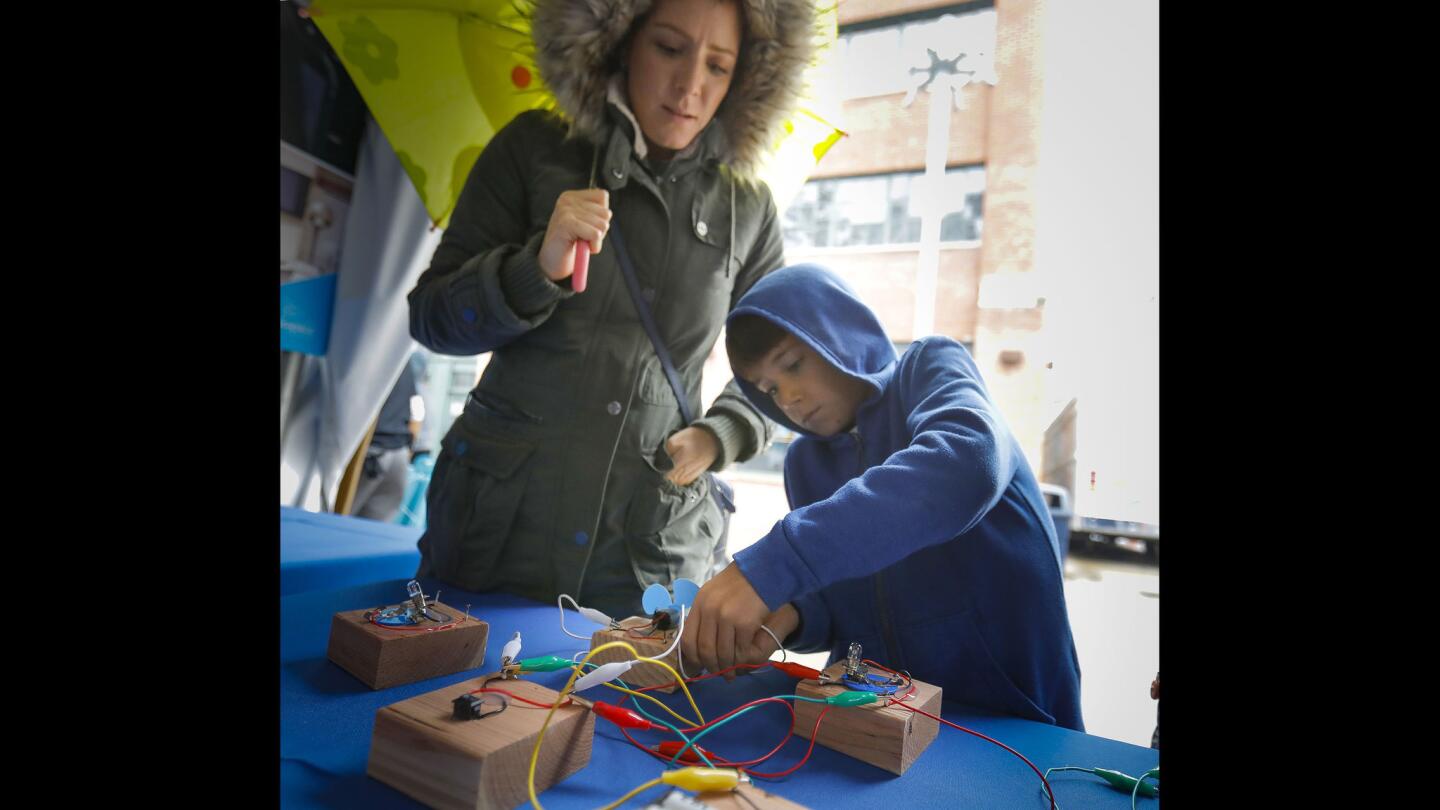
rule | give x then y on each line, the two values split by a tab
582	266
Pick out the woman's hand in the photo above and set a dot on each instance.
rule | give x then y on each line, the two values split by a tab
582	214
693	450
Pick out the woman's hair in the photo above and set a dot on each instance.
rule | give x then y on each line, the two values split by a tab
580	44
618	58
748	338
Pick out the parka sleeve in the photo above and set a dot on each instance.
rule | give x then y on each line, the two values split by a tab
484	286
813	634
952	472
741	430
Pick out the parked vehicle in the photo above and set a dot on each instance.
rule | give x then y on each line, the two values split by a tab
1112	479
1058	499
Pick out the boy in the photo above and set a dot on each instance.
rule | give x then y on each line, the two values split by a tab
917	528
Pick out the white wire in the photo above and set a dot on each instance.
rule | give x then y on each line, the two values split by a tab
783	655
561	607
680	654
678	634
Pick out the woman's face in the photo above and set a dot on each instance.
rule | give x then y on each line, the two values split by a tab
680	65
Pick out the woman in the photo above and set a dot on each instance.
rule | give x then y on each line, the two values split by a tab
571	470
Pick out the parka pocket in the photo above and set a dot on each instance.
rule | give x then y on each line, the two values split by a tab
670	530
710	227
474	509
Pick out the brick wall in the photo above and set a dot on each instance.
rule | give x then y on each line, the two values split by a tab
885	281
998	127
883	136
853	11
1004	337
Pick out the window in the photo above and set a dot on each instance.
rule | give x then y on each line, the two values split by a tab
883	209
878	60
294	188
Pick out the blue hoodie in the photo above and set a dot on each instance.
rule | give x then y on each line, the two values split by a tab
921	533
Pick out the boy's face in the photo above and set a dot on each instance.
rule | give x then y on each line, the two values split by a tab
808	390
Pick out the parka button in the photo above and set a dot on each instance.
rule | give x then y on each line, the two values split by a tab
618	174
701	228
613	408
672	178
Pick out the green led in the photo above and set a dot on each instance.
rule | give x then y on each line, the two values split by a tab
851	698
544	663
1123	782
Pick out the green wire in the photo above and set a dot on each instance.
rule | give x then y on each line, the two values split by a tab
1134	793
1155	772
740	713
655	719
689	743
1051	794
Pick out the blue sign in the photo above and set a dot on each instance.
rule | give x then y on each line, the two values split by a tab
305	309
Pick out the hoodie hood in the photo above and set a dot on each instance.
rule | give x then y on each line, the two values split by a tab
819	308
577	44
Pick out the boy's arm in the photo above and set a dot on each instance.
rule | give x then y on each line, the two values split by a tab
813	634
953	471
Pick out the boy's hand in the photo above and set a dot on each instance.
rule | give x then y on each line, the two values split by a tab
693	450
782	623
721	626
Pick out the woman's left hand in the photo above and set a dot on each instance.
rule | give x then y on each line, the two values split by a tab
693	450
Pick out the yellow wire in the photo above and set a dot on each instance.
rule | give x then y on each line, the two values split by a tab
687	721
621	800
672	671
575	673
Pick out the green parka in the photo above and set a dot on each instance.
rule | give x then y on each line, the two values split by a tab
552	480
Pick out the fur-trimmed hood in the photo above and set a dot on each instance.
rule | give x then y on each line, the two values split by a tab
576	53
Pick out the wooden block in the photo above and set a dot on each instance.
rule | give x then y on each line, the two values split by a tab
641	674
758	799
421	750
887	737
382	657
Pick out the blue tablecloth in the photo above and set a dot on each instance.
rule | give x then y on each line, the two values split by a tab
326	717
325	551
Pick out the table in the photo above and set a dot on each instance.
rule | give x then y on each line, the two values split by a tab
326	716
324	551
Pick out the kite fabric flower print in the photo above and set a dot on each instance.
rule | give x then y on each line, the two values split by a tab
367	47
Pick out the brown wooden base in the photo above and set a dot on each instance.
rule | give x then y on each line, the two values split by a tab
641	674
382	657
420	749
886	737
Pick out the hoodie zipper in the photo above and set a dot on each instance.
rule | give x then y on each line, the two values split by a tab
887	633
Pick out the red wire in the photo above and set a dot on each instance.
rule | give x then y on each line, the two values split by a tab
878	666
804	759
371	619
412	629
703	677
514	696
729	763
1043	780
737	709
745	766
